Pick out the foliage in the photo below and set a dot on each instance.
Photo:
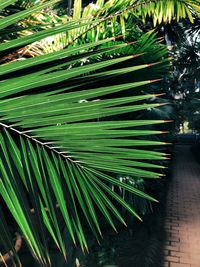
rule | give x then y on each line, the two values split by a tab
112	18
63	138
184	86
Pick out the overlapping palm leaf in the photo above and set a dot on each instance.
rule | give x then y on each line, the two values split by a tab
167	11
160	11
114	18
119	16
62	142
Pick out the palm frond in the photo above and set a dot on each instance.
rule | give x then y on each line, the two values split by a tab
160	11
7	21
6	3
62	141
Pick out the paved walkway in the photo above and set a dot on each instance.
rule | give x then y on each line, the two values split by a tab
182	226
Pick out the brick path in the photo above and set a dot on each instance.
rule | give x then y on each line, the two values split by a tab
182	226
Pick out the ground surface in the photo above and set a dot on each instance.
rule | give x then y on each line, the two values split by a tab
182	226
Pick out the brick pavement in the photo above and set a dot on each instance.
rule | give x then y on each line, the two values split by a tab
182	248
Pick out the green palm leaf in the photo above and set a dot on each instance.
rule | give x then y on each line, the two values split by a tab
160	11
62	142
5	22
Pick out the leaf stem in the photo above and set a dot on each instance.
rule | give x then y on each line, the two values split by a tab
3	125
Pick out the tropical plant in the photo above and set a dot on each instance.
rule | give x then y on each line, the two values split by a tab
60	147
184	85
115	18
